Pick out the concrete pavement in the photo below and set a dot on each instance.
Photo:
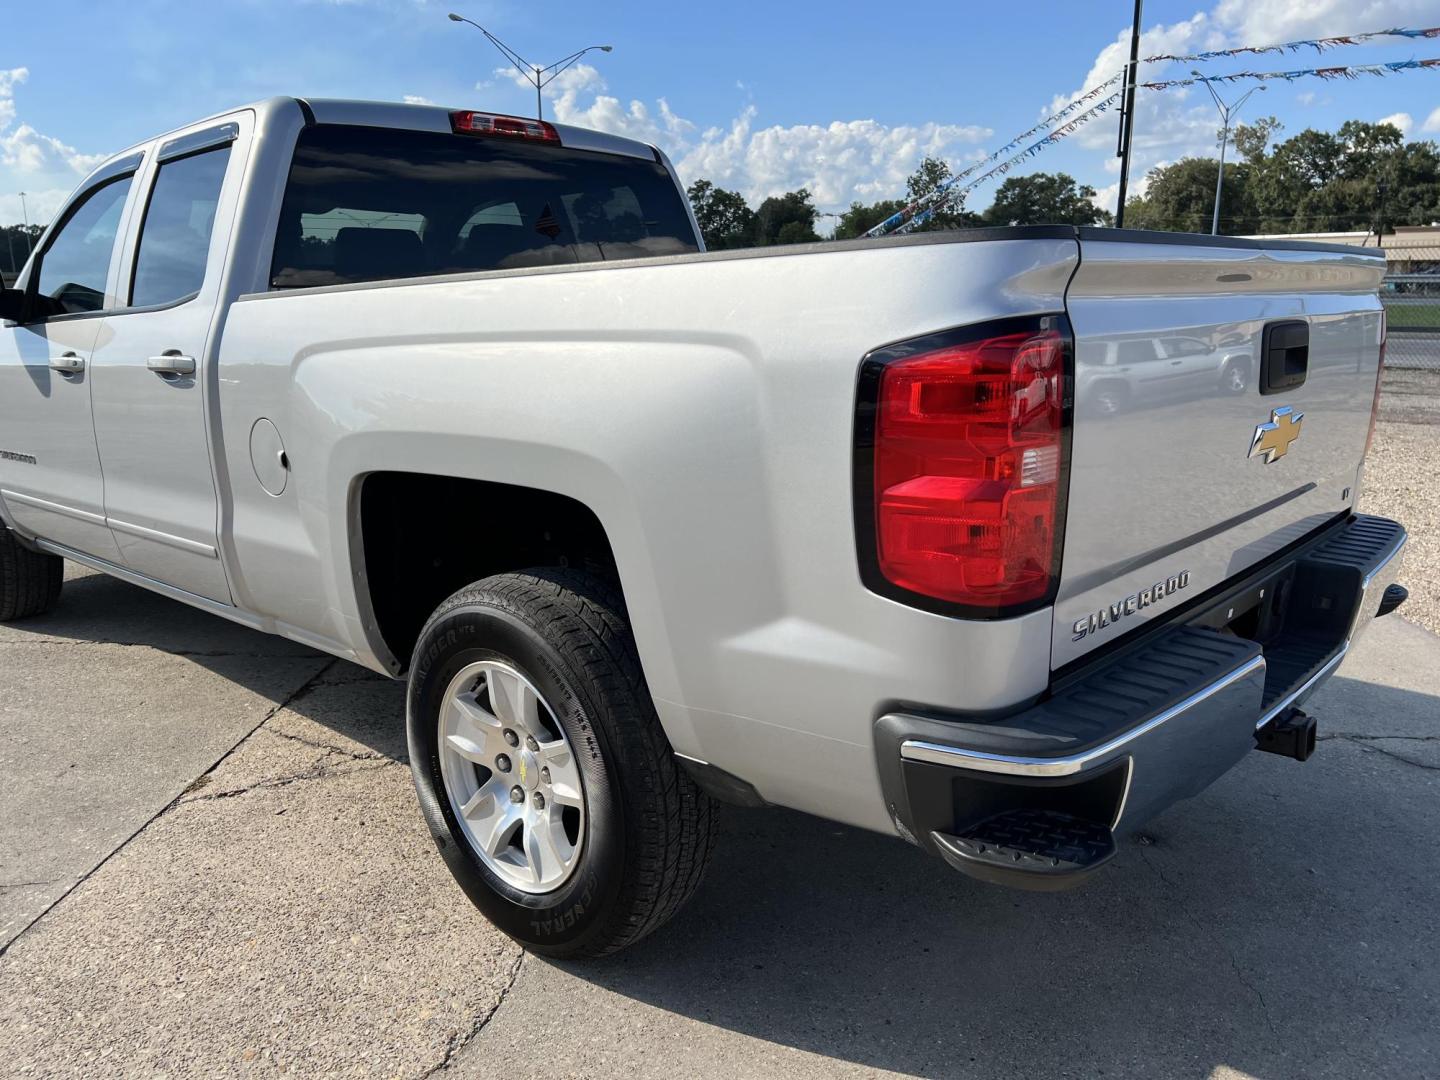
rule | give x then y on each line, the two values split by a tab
284	911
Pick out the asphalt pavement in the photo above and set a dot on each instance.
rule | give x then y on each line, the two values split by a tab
231	878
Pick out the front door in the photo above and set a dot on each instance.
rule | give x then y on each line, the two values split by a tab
149	371
50	476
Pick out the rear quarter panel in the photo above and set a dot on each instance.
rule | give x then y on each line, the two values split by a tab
702	407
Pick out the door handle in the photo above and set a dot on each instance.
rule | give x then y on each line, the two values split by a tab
69	364
171	363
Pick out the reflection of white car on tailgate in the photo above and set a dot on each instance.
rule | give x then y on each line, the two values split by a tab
1147	369
847	527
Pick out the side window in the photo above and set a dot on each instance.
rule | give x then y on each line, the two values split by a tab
1137	352
74	267
175	236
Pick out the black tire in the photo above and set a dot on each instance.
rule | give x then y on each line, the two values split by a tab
30	581
649	829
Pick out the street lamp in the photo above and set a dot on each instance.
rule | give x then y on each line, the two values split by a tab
25	213
538	77
1226	112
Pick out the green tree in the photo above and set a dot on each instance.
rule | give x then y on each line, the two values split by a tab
725	219
1181	198
860	218
16	242
946	212
786	219
1252	141
1044	199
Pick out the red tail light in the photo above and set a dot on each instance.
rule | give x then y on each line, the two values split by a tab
1379	374
517	127
968	465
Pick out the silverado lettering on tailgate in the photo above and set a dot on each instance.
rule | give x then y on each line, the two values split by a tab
1131	604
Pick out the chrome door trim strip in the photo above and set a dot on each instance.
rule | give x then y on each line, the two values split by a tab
53	507
194	547
981	761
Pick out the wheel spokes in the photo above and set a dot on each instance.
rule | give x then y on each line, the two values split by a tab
512	778
473	733
495	836
564	773
514	702
542	853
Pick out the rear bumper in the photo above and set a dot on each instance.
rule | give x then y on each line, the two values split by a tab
1155	722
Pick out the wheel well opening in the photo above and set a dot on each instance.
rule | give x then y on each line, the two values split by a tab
424	537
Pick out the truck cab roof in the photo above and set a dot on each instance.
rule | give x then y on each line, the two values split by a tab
408	117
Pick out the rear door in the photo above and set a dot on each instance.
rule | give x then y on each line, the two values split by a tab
1166	498
150	371
50	475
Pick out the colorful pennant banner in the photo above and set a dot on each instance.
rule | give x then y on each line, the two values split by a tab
1090	95
1318	44
921	210
1354	71
1004	167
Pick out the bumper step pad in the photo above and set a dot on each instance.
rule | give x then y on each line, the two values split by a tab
1029	849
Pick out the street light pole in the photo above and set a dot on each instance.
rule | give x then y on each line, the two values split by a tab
537	76
1226	112
25	213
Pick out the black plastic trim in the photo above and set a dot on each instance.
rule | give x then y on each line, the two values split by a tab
722	785
306	111
863	467
1271	380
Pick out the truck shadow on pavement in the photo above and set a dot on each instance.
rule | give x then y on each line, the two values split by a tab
95	609
1273	925
1279	924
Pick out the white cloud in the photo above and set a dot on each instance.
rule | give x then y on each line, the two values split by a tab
1182	122
416	99
40	165
1402	120
1432	122
1263	22
839	162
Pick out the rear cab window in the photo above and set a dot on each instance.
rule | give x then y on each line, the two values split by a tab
367	204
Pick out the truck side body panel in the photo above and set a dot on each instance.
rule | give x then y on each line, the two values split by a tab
712	440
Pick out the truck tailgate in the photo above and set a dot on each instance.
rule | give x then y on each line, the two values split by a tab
1166	498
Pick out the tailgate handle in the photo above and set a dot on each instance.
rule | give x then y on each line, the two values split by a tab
1284	356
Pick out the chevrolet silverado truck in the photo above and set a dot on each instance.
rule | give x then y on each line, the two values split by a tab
460	398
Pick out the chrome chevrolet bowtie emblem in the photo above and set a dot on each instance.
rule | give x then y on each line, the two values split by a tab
1273	439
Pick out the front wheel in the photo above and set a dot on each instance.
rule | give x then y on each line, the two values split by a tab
542	769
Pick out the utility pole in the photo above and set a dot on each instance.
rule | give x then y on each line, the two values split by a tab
1226	112
1127	116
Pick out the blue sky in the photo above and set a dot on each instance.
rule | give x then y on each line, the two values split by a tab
761	97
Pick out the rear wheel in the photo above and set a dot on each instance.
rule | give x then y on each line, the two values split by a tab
541	767
30	581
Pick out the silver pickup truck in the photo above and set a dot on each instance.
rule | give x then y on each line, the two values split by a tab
999	541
